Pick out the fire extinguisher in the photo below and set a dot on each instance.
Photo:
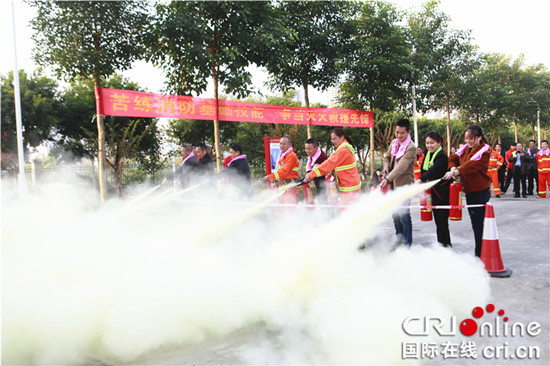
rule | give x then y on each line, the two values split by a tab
332	189
385	189
455	199
308	194
426	200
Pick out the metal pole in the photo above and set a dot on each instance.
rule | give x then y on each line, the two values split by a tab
538	123
19	127
414	116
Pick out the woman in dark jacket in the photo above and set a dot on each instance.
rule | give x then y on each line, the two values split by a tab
238	170
434	168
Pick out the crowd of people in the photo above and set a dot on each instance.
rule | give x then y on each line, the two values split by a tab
475	165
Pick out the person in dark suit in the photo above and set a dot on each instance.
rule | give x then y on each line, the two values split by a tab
434	167
520	170
206	164
183	174
237	172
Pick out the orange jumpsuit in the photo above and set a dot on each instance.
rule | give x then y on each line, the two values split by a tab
543	166
495	162
342	161
418	166
287	170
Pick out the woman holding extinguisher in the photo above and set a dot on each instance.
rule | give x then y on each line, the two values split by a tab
471	163
433	168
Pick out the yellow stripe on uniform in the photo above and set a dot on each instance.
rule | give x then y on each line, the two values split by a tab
346	167
317	172
350	189
276	176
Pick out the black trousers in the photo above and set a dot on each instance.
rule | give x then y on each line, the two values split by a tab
532	176
441	218
502	176
477	215
506	185
520	178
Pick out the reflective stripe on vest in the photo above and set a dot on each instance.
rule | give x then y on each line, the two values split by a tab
349	189
345	167
317	172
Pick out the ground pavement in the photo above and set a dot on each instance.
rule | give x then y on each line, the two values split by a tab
524	231
524	235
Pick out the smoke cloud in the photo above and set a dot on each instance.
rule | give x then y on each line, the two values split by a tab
132	280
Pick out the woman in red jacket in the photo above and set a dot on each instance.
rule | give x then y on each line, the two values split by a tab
471	163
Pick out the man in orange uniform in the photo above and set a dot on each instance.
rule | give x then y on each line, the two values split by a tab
342	161
418	164
543	165
287	170
495	162
509	173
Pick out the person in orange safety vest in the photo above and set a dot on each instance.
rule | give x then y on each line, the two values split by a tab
287	171
509	172
543	166
342	161
418	163
495	162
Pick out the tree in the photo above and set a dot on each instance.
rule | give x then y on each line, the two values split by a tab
127	139
442	59
40	110
317	40
91	40
193	41
485	96
380	65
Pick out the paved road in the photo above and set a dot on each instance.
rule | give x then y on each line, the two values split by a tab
524	235
524	232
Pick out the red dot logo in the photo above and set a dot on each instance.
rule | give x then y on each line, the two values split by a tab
468	327
490	308
505	318
501	312
477	312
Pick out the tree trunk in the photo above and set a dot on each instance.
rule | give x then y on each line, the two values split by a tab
306	98
215	72
100	142
100	127
516	130
448	128
371	149
216	124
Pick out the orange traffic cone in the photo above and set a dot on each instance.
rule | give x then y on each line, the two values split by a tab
490	249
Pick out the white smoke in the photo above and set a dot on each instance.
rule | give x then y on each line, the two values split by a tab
126	281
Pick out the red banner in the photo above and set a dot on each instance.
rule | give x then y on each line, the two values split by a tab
129	103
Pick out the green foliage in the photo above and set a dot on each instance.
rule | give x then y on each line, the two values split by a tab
380	63
127	139
502	92
317	39
85	39
195	40
39	110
